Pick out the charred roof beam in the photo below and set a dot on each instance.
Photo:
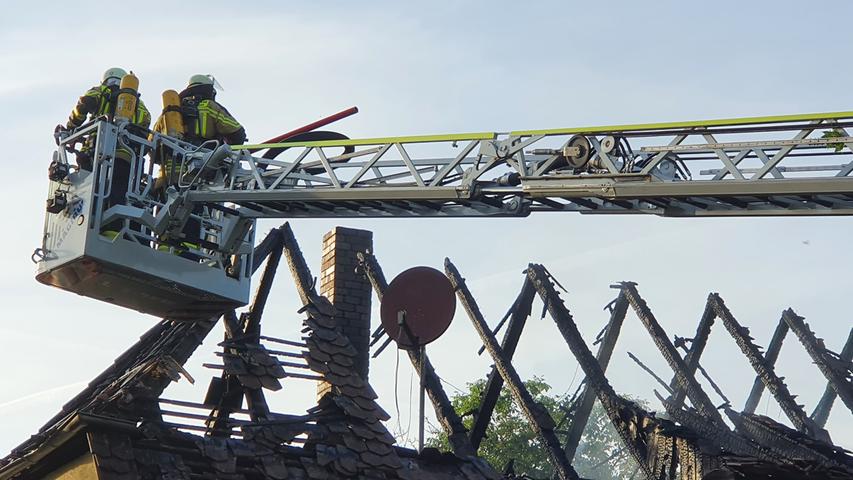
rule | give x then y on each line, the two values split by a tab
773	382
770	357
838	378
595	378
247	329
587	399
821	411
538	418
697	347
520	311
697	396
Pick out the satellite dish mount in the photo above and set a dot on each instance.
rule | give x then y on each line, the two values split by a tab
416	309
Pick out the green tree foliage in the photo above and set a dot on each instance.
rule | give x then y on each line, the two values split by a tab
834	133
509	436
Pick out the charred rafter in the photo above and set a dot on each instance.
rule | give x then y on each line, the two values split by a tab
648	370
305	283
539	418
787	443
821	411
770	356
520	311
766	372
697	347
837	374
242	348
694	391
722	439
587	399
614	405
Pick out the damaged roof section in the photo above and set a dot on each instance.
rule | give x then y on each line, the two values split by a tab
690	441
121	426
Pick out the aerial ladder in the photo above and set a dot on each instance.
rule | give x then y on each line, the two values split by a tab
790	165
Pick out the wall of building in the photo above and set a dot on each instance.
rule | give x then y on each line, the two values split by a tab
83	468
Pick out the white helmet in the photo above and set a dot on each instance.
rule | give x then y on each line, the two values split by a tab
204	79
201	79
113	73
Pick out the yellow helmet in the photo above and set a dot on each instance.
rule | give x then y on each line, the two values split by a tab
113	73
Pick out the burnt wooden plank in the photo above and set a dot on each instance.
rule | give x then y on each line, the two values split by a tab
494	383
605	352
767	373
538	418
595	378
298	267
697	396
821	411
770	357
697	347
814	346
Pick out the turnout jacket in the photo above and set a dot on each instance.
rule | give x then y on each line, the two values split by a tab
101	100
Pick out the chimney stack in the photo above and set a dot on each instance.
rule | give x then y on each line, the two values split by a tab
348	291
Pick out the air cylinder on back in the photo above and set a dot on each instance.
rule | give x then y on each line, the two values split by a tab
126	101
173	119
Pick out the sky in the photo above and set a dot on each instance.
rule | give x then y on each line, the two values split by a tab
446	67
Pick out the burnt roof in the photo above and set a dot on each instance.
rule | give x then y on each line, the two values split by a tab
119	414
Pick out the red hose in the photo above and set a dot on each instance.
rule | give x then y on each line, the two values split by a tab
312	126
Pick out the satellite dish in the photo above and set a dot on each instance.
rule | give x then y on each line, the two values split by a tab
417	307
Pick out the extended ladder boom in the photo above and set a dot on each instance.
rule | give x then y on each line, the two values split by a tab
189	245
738	167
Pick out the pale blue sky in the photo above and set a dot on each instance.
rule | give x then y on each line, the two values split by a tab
442	67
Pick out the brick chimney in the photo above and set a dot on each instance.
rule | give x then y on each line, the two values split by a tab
348	291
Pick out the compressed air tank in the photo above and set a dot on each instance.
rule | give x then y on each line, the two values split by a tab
126	101
172	118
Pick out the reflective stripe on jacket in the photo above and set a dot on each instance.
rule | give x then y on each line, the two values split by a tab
214	122
100	100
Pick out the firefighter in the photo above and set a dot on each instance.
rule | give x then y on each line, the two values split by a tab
202	119
205	119
101	100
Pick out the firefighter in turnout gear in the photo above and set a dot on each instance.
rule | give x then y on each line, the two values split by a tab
205	119
101	100
117	89
202	121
